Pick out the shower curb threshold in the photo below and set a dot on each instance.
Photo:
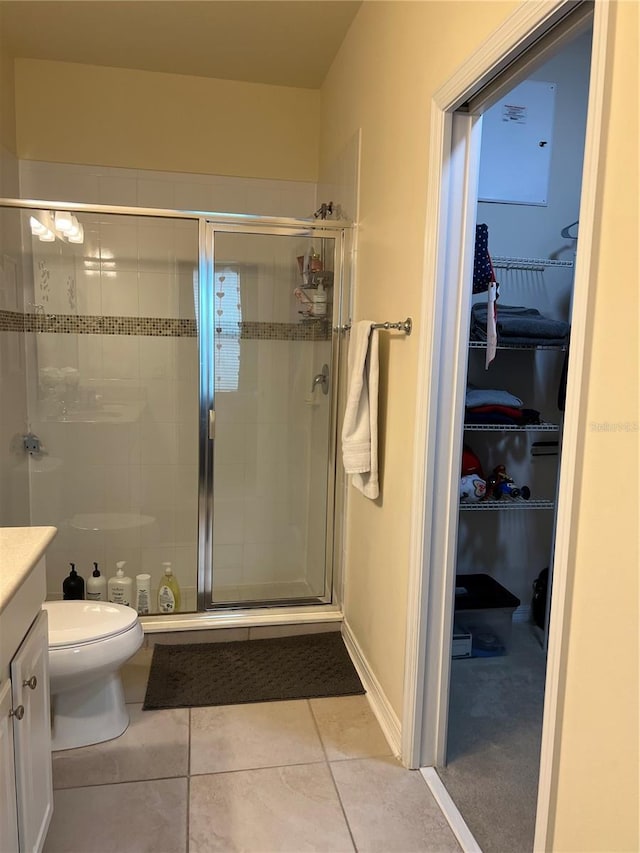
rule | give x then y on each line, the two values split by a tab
241	618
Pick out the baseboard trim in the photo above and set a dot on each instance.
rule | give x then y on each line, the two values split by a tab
380	705
449	809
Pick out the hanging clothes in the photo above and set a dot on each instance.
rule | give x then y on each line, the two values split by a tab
484	280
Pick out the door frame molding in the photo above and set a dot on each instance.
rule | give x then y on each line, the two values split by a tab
442	357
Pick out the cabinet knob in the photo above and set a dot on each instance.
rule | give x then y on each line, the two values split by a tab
31	683
18	712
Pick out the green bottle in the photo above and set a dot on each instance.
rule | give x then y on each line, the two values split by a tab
168	592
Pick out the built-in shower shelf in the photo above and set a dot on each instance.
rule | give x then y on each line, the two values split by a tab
506	504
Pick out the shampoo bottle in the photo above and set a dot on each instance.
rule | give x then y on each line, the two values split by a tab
73	586
143	593
96	586
319	298
168	592
120	586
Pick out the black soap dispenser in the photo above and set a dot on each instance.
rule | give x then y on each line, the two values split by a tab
73	586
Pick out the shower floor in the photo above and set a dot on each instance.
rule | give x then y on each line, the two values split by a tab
256	592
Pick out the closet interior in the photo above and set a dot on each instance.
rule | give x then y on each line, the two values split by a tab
526	234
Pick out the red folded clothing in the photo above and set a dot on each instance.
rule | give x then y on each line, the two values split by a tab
498	410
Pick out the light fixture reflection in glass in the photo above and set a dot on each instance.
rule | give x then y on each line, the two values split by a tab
46	226
37	227
77	235
63	221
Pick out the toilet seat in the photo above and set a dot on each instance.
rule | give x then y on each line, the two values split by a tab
75	623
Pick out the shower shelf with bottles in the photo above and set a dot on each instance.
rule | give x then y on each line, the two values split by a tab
314	291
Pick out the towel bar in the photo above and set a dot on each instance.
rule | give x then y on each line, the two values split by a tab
401	326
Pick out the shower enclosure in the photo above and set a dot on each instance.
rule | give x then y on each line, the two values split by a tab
182	400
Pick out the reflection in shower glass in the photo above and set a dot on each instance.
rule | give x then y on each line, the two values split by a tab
272	336
113	362
228	321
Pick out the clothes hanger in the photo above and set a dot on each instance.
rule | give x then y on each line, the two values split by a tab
565	231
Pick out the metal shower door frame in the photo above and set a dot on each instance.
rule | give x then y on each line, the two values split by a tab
266	226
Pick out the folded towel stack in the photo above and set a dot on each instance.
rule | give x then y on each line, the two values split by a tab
503	415
496	406
519	325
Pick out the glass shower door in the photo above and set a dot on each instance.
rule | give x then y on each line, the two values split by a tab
270	356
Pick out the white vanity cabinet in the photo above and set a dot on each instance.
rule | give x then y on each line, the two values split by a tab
26	790
32	736
8	802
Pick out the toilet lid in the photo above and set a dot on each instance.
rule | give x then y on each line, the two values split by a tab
73	622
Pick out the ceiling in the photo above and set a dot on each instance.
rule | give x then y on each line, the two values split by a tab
281	42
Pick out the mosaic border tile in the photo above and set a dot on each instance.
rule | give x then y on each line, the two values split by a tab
306	330
75	324
11	321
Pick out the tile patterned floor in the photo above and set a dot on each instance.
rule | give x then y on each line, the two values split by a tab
308	775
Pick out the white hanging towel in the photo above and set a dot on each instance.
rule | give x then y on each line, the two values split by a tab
492	326
360	427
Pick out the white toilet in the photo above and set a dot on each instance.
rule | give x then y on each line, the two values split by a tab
88	643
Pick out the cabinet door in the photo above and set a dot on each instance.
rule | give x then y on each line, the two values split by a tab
8	808
32	736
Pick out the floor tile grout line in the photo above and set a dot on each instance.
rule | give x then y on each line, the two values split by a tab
121	782
333	781
262	767
188	826
344	812
318	732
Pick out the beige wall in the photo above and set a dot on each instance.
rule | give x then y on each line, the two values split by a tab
395	56
598	763
8	162
7	105
168	122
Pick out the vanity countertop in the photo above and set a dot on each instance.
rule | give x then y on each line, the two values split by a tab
20	550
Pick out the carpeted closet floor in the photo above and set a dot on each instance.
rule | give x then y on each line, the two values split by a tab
495	724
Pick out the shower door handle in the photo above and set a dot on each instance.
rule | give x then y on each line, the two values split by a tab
212	424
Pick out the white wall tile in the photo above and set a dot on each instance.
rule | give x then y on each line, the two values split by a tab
156	245
119	293
229	519
161	399
159	444
187	439
158	357
154	193
157	294
119	244
192	196
261	491
122	191
121	359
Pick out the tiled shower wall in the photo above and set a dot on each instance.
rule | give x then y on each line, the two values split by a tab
171	190
14	480
144	463
117	413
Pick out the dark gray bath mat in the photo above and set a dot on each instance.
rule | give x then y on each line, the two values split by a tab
301	667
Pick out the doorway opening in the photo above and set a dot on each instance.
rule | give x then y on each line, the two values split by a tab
503	63
528	201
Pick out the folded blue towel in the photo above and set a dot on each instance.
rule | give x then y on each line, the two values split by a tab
491	397
517	324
